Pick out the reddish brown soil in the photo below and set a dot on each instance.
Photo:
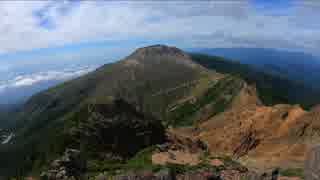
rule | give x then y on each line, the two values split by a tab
261	137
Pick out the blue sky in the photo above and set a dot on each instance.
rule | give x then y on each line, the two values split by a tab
274	4
52	41
36	32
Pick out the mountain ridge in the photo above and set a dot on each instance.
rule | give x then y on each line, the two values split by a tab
272	89
296	66
145	96
48	112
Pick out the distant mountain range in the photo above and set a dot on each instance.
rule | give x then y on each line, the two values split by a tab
295	66
272	88
15	91
19	88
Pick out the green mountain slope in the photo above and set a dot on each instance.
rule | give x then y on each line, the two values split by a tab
123	107
272	89
160	86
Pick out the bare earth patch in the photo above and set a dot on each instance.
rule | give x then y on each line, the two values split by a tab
176	157
216	162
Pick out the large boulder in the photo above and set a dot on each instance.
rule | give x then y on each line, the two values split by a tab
70	166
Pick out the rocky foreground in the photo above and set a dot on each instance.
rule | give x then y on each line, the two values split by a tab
179	158
70	166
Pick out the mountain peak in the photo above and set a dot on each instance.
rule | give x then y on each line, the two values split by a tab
159	54
158	49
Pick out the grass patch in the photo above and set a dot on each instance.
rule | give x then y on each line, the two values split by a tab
100	166
215	96
142	161
292	172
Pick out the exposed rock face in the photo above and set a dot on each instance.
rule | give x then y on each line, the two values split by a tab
248	142
70	166
312	164
261	136
179	149
177	140
307	127
246	97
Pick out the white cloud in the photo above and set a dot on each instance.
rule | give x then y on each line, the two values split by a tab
190	24
38	77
